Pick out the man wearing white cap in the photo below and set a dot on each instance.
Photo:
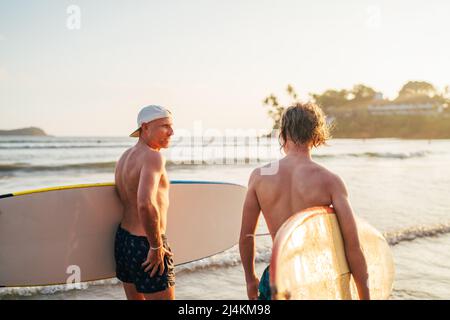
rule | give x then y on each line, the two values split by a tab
144	260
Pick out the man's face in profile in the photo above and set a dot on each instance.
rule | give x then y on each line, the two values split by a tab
159	132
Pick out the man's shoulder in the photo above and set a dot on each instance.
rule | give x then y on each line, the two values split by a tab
320	169
268	169
329	177
124	156
150	153
152	157
318	172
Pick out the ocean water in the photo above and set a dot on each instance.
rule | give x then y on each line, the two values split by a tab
401	187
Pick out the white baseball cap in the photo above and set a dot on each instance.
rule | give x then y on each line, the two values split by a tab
150	113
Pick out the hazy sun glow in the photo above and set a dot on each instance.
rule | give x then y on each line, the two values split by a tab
209	61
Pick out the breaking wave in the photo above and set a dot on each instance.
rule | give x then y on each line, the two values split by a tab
416	232
25	167
110	165
62	147
380	155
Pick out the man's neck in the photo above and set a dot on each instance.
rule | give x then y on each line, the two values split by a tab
297	150
149	144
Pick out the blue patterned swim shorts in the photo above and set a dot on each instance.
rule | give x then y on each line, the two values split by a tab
130	252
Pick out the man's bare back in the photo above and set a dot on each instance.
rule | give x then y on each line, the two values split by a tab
299	184
127	177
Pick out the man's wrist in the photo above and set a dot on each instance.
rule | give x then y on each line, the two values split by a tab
155	243
251	278
156	248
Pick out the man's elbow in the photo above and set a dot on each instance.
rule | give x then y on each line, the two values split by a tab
145	207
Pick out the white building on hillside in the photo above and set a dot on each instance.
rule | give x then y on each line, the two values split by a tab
405	108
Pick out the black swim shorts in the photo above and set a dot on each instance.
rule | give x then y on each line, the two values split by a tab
130	252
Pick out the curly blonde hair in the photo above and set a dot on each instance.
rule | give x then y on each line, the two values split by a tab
304	123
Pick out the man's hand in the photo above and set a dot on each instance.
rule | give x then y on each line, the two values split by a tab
252	289
155	261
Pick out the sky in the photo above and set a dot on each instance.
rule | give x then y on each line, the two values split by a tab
85	68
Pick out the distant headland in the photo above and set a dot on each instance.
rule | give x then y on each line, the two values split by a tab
31	131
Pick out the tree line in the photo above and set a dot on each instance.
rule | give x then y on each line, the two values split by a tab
360	96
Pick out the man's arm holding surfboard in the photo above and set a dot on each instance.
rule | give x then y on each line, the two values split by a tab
148	211
250	217
355	256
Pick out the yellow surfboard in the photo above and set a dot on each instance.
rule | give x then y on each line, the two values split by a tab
308	259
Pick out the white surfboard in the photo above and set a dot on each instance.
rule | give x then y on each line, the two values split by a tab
47	235
308	259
